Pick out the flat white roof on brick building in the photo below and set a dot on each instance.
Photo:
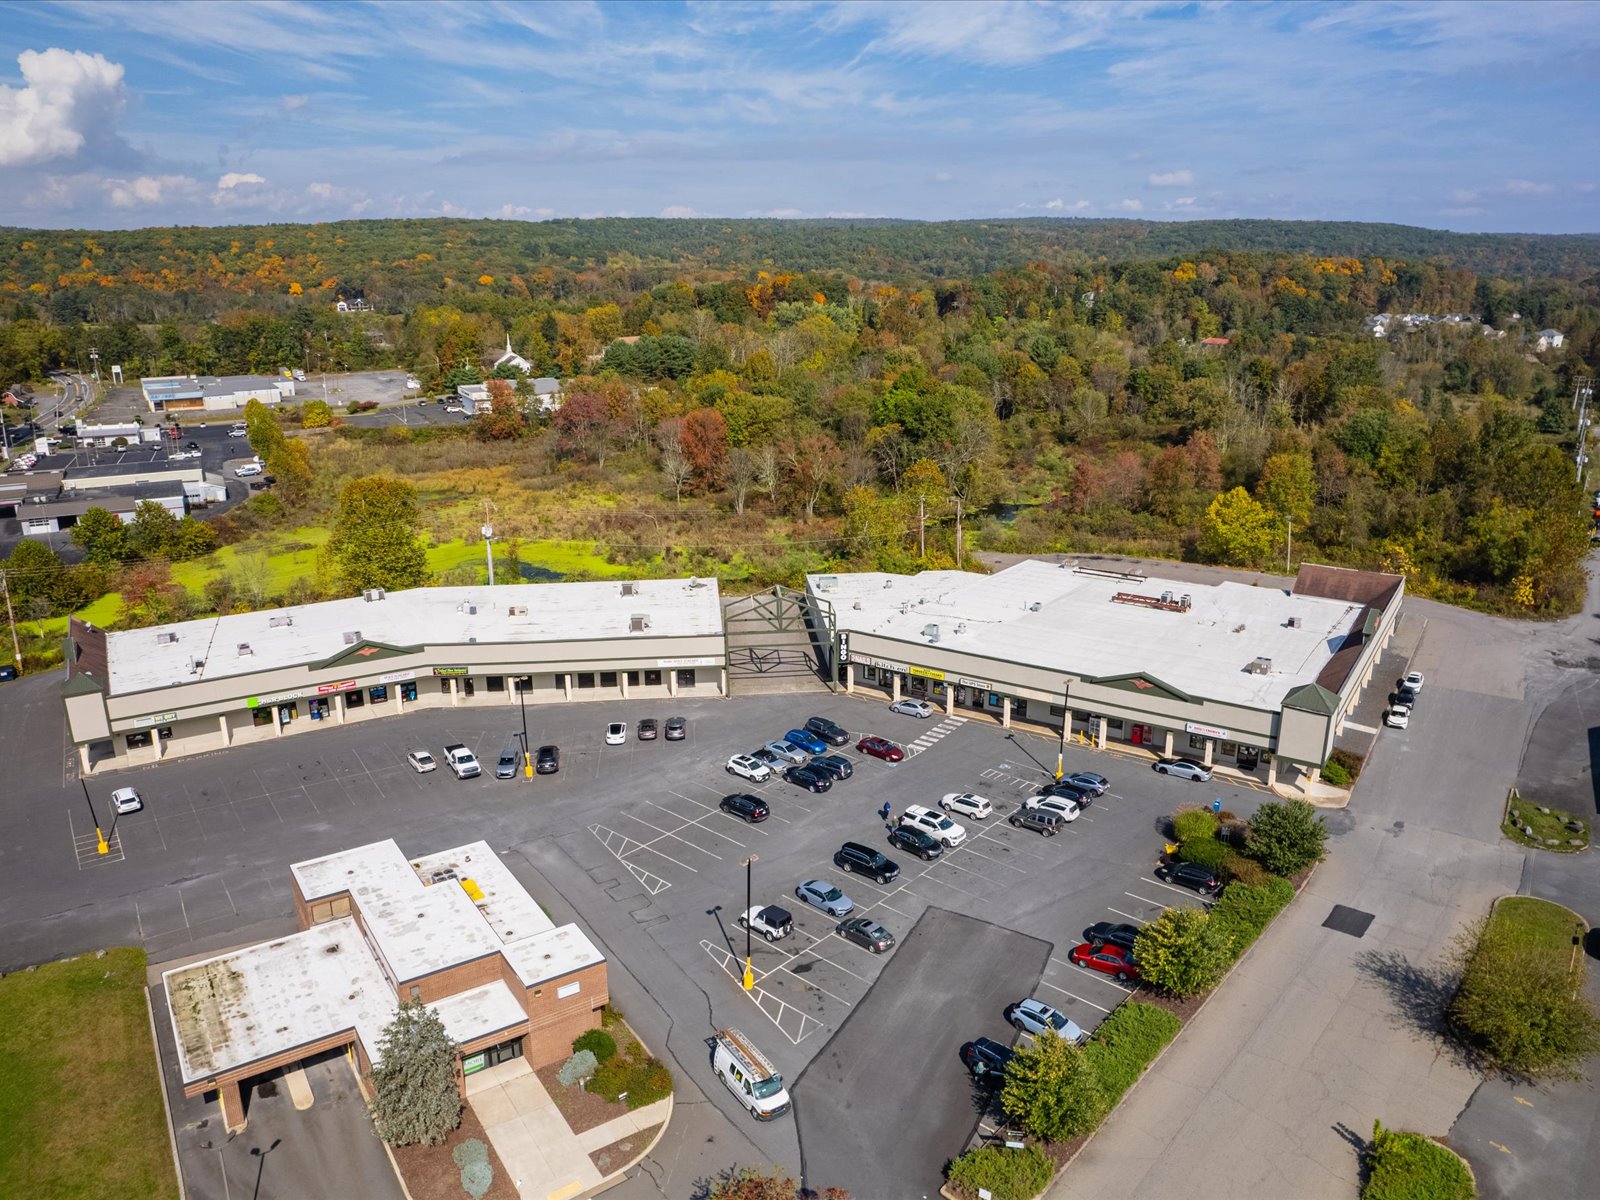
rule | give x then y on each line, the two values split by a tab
1063	618
164	655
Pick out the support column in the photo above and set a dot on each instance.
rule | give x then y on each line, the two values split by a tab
724	680
894	686
1272	771
1314	774
399	697
1210	743
849	679
950	699
1167	749
622	678
1100	735
455	692
1005	712
338	708
232	1102
222	727
83	755
277	720
566	684
672	681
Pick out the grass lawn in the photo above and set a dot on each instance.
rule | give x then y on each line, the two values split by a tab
1548	825
1536	923
81	1112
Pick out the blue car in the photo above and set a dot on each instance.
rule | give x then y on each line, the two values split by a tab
807	741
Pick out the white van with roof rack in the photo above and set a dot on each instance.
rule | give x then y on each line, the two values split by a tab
749	1075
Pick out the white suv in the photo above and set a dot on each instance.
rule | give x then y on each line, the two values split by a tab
935	824
749	768
968	804
1064	808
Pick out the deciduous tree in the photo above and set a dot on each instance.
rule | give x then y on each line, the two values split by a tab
1287	836
1053	1090
1237	530
1181	952
375	542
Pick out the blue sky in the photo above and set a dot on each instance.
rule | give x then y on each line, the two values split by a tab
1473	116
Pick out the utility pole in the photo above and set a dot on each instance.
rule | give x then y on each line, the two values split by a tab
488	538
958	533
922	527
1581	395
11	621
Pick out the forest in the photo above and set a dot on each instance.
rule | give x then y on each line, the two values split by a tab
757	423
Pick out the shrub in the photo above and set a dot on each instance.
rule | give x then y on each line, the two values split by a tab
581	1065
1287	836
1408	1166
1053	1090
609	1016
1193	823
1182	953
642	1081
1206	851
1335	774
1006	1174
1246	909
1244	870
477	1176
1350	761
1127	1042
598	1042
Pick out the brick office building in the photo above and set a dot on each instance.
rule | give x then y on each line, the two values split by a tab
453	929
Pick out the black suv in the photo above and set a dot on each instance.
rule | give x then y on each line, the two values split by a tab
751	809
1041	821
857	859
987	1059
1071	792
825	729
1108	933
1190	875
809	777
836	766
547	761
909	837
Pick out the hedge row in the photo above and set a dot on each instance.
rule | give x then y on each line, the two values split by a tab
1244	911
1007	1174
1126	1043
1408	1166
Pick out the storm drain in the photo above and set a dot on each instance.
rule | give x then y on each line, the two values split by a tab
1348	920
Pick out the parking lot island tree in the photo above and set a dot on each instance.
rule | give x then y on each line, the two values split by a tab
1181	952
415	1097
1286	836
374	542
1053	1090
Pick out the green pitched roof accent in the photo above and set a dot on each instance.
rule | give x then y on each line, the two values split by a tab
1314	698
83	684
1141	683
363	652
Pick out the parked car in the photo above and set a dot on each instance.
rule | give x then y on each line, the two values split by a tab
987	1059
968	804
238	433
1405	695
856	859
126	800
1064	808
806	740
768	759
547	761
883	748
455	408
827	730
749	768
191	445
7	672
1413	680
770	921
809	778
462	761
912	708
749	809
819	893
1046	824
1036	1017
676	729
506	765
1183	768
1397	716
421	761
412	382
1087	782
616	733
935	824
836	765
1108	960
648	729
866	933
244	470
787	752
908	837
1190	875
1108	933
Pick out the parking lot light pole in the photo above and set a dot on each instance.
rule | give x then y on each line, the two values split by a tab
749	971
527	758
100	838
1066	726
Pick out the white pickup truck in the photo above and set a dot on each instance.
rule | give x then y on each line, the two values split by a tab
462	761
770	921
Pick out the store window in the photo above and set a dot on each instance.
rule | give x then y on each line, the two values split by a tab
1113	725
444	685
137	741
633	679
261	716
608	679
1058	710
379	694
686	678
585	679
495	683
652	679
1196	742
355	699
319	708
408	691
289	712
164	731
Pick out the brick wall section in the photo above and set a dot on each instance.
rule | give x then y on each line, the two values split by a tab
553	1021
462	977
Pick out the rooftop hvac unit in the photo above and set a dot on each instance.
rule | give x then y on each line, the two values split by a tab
639	622
931	632
630	589
856	606
1166	597
517	610
1035	606
1185	599
468	607
1295	622
696	582
244	649
372	594
887	584
166	639
1260	666
279	622
352	636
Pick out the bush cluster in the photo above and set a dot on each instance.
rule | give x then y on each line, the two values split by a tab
1245	910
580	1066
598	1042
1193	824
1408	1166
1185	951
1006	1174
1287	836
1126	1043
642	1080
1350	761
1206	851
477	1176
1336	774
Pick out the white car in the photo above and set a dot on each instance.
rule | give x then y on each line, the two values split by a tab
421	761
912	708
1413	680
617	733
1064	808
247	469
455	408
968	804
788	752
412	383
746	767
935	824
238	433
1397	716
126	800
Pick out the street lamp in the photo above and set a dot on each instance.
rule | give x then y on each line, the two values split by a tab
749	971
1066	726
527	758
100	839
94	359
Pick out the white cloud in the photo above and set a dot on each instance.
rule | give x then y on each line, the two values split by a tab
235	179
512	212
1130	205
680	212
322	191
1182	202
1058	205
1172	179
993	32
151	189
70	100
942	177
1525	187
1464	196
294	103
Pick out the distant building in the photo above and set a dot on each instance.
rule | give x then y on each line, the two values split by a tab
1216	343
547	393
512	359
473	396
213	393
1549	339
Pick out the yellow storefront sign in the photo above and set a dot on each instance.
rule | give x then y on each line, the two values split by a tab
926	673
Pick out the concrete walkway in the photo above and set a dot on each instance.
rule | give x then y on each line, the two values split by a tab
544	1158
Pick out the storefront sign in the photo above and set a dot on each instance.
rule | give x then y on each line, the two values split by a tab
397	677
156	719
449	671
324	688
926	673
866	660
688	662
1205	730
980	684
281	698
473	1062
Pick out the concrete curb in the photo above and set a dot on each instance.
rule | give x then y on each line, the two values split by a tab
166	1105
621	1173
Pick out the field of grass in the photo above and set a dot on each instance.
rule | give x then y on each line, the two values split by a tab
81	1113
1537	924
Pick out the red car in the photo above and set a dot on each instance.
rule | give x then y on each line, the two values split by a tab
1113	960
881	748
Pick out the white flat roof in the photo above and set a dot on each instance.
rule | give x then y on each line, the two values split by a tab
142	659
483	1010
1064	619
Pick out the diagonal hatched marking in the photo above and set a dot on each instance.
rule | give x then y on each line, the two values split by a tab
620	844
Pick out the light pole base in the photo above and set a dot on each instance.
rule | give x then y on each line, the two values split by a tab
749	976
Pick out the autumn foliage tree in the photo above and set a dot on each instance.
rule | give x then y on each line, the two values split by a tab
703	439
585	426
504	420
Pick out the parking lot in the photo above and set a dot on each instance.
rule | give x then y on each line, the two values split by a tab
630	837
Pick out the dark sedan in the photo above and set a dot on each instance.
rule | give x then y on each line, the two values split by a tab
749	809
837	766
1190	875
908	837
547	761
827	730
1109	933
809	778
866	933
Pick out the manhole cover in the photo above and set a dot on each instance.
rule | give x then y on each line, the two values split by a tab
1348	920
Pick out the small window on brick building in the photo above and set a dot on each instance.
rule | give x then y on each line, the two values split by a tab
416	992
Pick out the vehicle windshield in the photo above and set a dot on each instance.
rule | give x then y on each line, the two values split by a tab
1054	1019
944	822
765	1088
832	893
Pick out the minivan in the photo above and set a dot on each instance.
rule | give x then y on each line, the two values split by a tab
864	860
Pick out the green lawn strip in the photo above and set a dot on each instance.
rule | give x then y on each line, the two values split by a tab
1536	924
81	1113
1551	830
1408	1166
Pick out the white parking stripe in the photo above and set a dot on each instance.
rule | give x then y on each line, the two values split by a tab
667	833
1130	916
1074	995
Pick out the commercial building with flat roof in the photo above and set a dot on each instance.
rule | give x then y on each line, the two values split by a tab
454	930
143	694
213	393
1223	672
